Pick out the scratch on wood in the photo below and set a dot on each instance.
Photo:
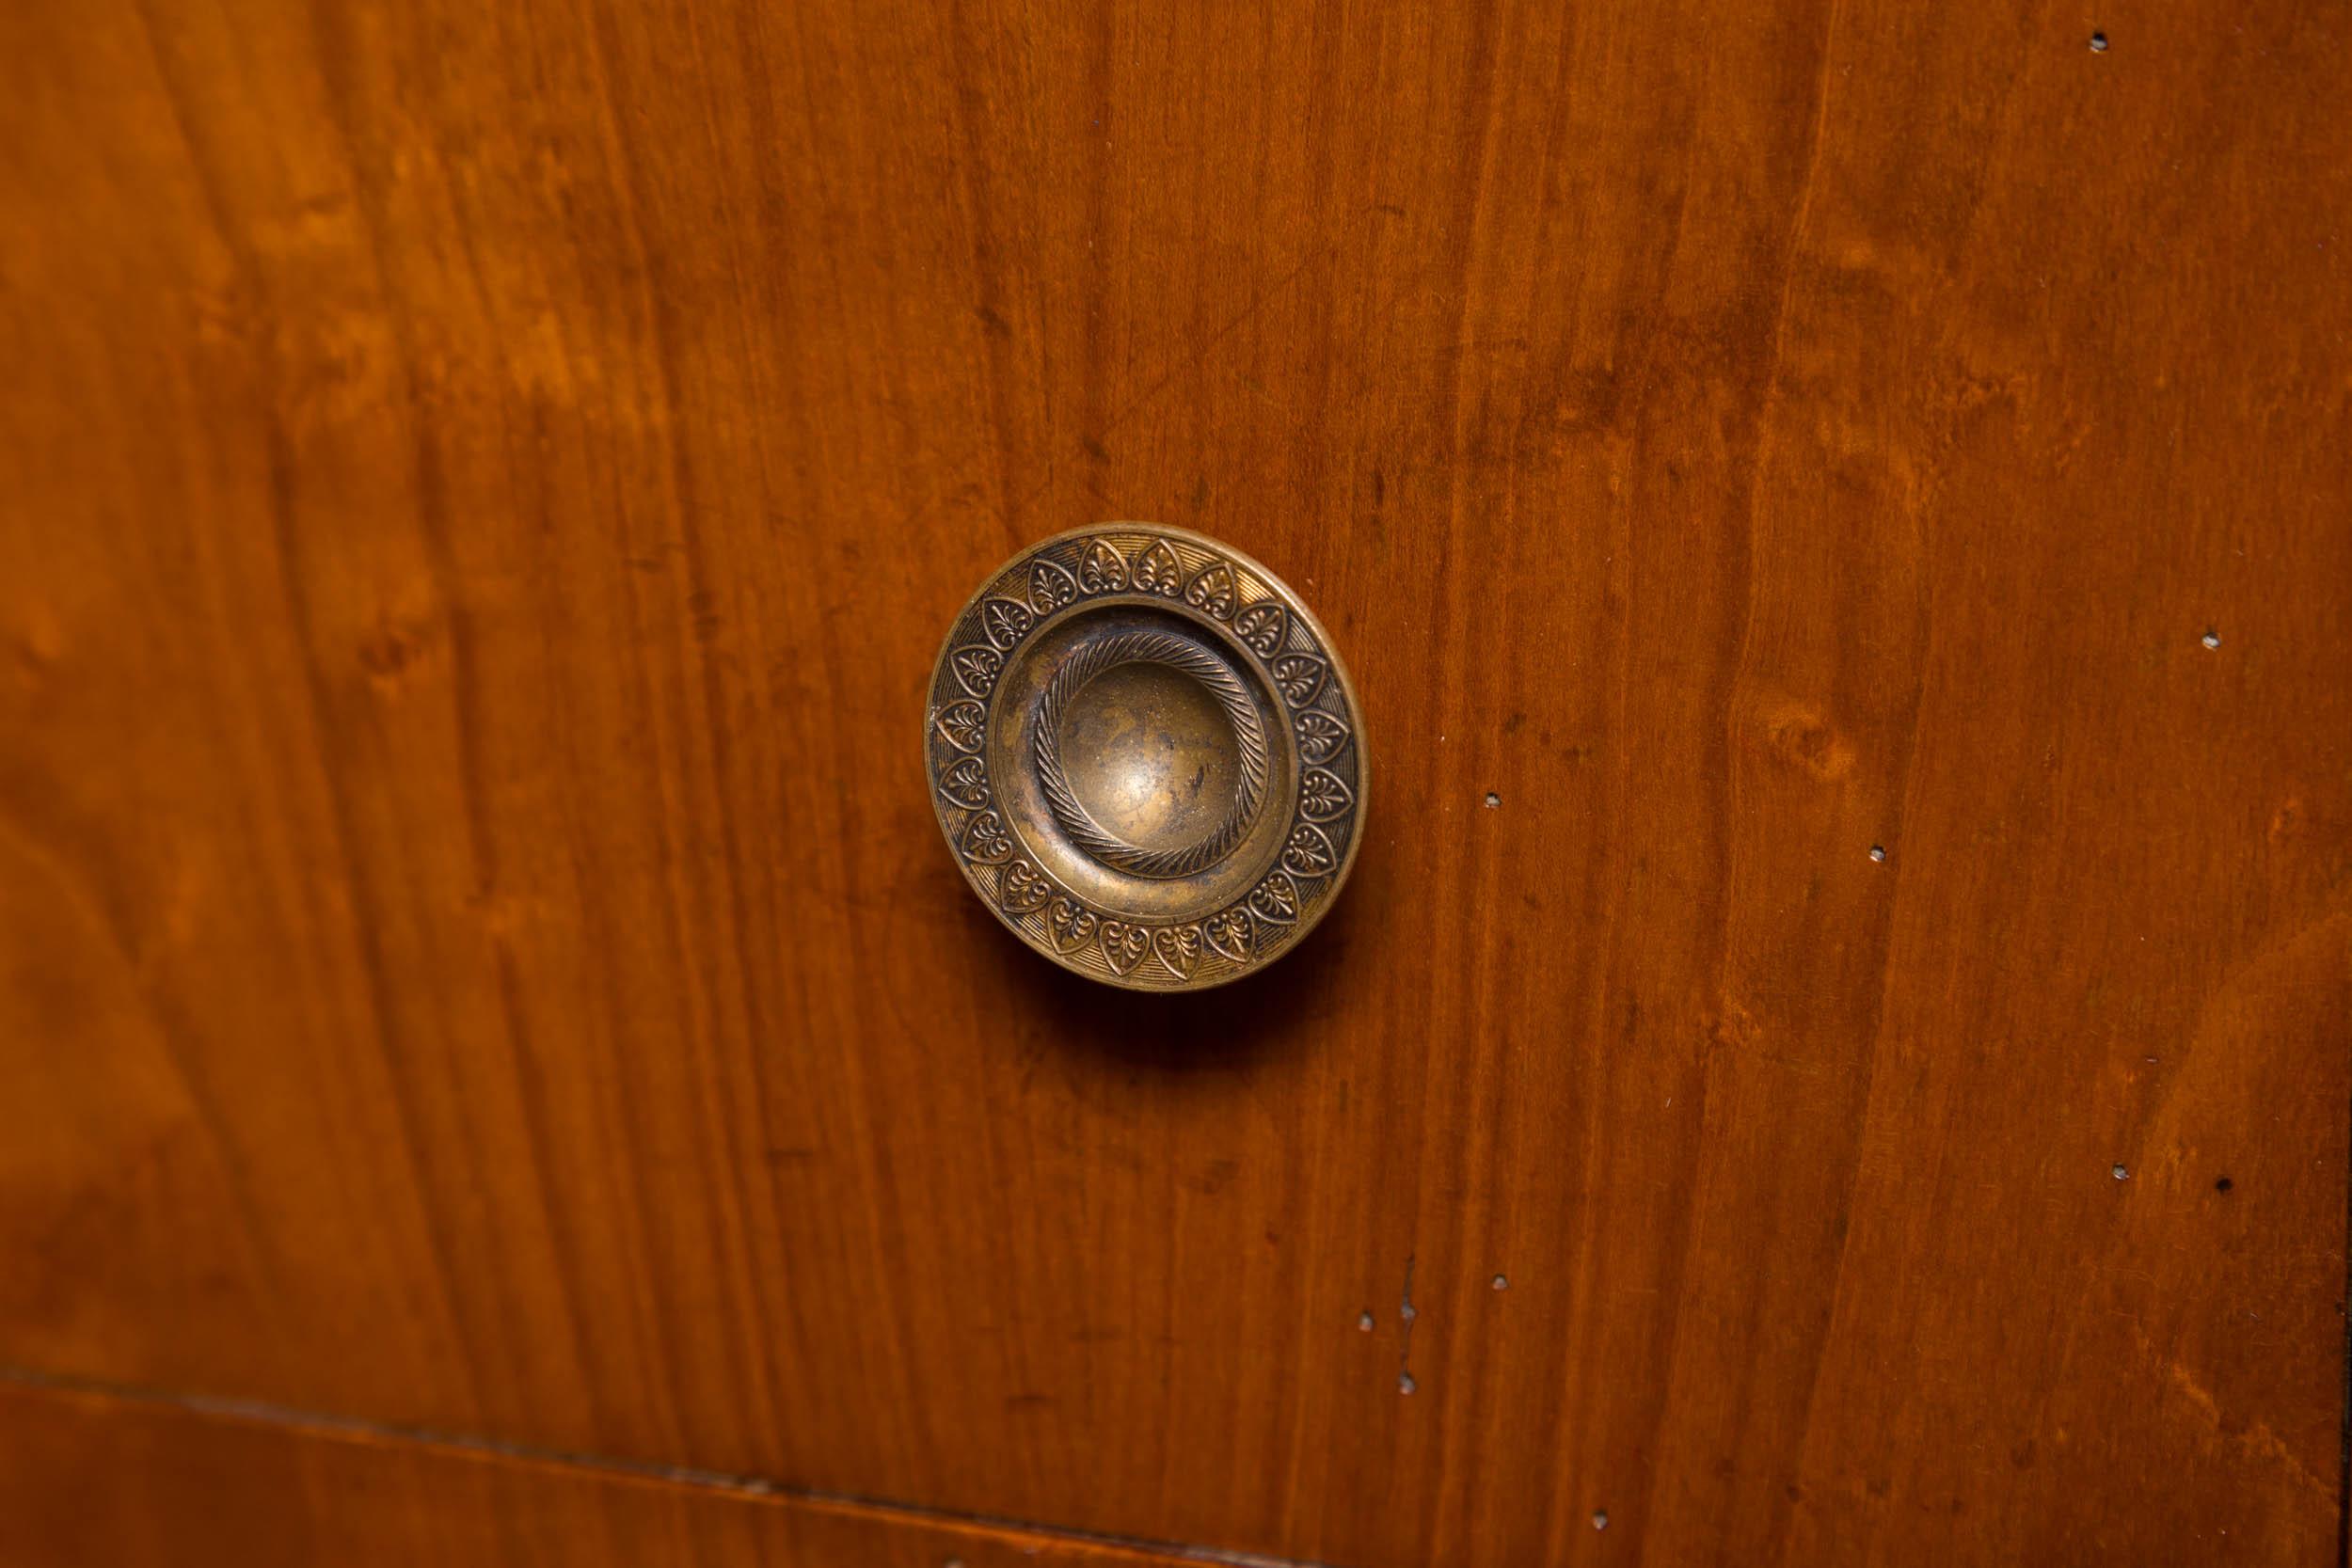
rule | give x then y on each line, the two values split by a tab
2252	1434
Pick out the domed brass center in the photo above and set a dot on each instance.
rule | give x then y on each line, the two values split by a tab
1151	755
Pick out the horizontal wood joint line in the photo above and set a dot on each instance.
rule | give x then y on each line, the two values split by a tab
755	1490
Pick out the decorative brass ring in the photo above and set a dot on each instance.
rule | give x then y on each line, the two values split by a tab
1146	756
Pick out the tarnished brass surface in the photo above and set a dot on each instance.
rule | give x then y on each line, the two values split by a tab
1146	756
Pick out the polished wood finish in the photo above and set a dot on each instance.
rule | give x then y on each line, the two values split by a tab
483	484
88	1481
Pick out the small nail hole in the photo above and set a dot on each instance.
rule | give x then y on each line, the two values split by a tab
1404	1383
1600	1518
1493	800
2223	1185
1878	853
2211	639
1500	1283
1364	1322
2098	43
2121	1173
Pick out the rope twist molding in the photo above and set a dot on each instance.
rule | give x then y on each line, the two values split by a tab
1150	647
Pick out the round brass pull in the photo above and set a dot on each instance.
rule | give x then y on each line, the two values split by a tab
1146	756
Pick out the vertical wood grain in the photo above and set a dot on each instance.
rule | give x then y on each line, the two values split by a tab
484	483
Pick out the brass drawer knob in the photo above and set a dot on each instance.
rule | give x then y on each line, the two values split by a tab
1146	756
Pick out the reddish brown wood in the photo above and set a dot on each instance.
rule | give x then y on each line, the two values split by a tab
482	485
86	1478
